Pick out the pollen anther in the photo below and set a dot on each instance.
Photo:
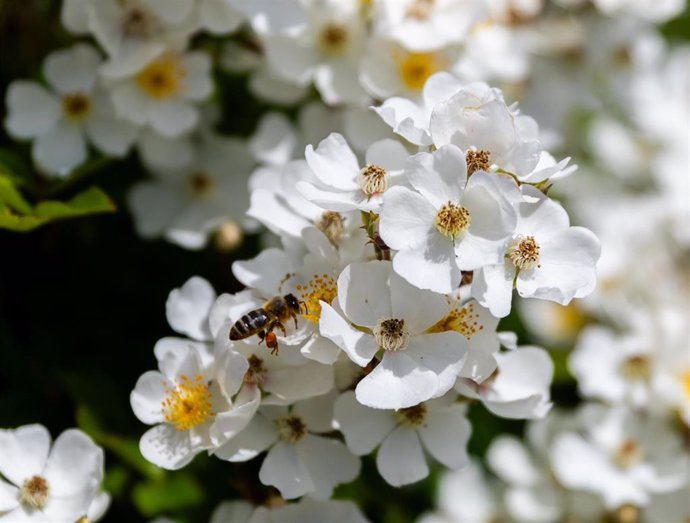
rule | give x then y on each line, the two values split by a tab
452	220
373	180
188	403
34	492
523	252
391	334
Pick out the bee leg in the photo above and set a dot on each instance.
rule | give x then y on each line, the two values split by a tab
282	328
294	317
262	336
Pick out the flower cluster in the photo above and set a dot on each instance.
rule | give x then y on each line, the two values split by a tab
44	482
374	325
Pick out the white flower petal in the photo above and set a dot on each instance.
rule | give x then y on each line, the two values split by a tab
329	462
188	307
439	176
147	398
259	435
32	110
334	163
167	447
75	463
60	150
407	218
492	286
407	119
397	382
430	266
173	117
364	428
284	469
359	346
9	496
445	436
73	70
23	452
395	469
301	382
419	308
363	292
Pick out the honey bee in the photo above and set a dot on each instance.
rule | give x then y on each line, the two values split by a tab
273	313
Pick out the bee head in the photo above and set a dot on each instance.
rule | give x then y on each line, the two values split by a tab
292	302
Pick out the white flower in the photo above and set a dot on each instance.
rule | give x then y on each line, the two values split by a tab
134	32
439	426
162	93
55	485
410	119
345	186
309	510
75	112
465	496
299	461
655	11
545	258
477	119
613	368
185	204
326	50
189	402
520	387
381	311
389	70
423	25
219	16
622	456
449	224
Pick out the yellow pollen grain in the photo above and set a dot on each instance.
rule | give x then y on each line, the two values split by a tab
463	320
321	287
416	68
163	78
188	403
76	106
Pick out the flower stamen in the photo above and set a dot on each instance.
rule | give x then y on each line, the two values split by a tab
291	428
76	106
373	180
189	403
34	492
391	335
332	225
321	287
412	417
477	160
163	78
452	220
523	252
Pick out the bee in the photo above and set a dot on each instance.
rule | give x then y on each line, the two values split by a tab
272	314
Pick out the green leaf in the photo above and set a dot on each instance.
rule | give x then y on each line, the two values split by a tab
176	492
11	197
16	214
91	201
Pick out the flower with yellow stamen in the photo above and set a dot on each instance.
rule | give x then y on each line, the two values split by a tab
188	403
321	287
163	78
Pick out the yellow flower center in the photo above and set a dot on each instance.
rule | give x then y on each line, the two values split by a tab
452	220
332	224
256	373
291	428
420	9
463	320
416	68
76	107
391	335
34	492
685	379
636	368
477	161
333	39
412	417
628	454
321	287
189	403
373	180
137	22
163	78
201	184
524	252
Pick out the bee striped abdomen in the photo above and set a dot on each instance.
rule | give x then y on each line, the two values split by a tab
249	324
